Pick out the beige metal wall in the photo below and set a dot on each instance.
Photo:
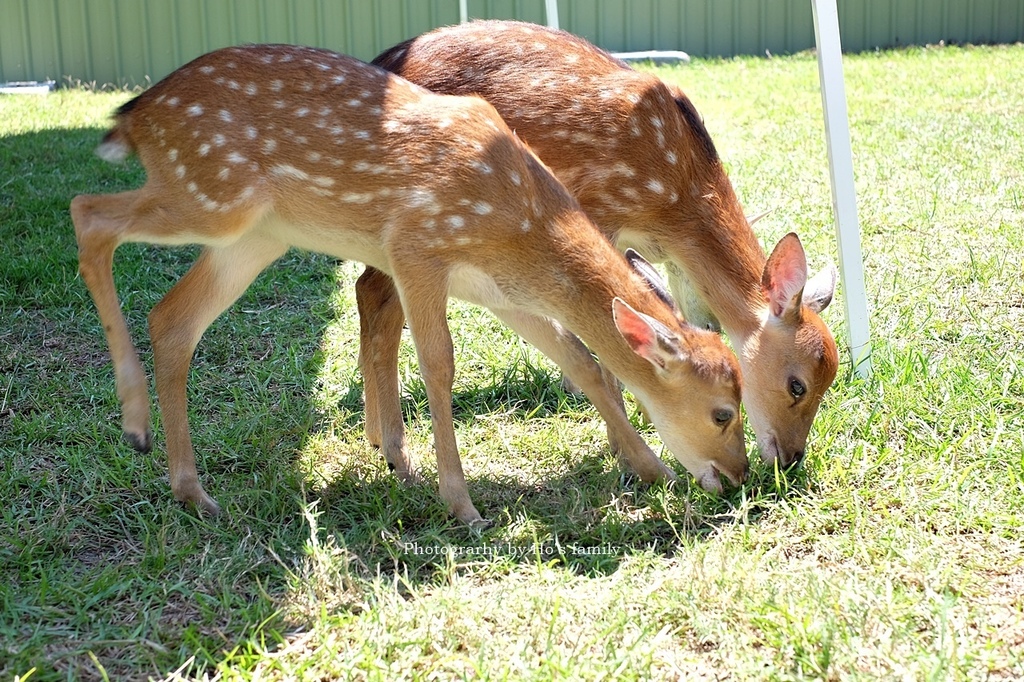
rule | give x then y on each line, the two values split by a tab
130	41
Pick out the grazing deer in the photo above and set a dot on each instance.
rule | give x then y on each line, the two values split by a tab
251	150
636	155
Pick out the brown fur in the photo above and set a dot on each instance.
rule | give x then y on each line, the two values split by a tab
249	151
635	153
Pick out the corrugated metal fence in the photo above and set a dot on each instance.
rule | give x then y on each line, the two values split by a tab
130	41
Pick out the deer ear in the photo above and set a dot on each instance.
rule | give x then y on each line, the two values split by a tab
819	289
784	277
653	278
647	337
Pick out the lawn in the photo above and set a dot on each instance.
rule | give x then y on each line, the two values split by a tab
896	551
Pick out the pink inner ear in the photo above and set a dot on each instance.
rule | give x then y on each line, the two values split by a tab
634	329
785	275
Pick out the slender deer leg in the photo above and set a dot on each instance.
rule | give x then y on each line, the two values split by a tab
614	389
176	324
575	360
425	307
380	332
101	224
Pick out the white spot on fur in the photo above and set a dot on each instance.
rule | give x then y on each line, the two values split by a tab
323	181
269	145
235	157
314	156
219	140
515	178
302	111
621	168
671	157
455	221
206	69
172	155
251	132
173	102
251	89
423	198
226	116
224	172
482	208
655	186
285	170
180	171
195	110
204	149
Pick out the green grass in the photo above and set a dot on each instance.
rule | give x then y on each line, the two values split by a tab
895	552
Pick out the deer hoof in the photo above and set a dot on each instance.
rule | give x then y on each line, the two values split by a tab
142	442
207	505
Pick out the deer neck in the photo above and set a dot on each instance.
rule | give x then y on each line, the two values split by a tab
710	241
586	276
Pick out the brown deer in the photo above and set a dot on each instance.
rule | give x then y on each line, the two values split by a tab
635	153
251	150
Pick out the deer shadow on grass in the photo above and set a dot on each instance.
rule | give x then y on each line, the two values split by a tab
588	515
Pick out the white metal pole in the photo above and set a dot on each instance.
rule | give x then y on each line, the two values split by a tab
844	196
551	7
463	11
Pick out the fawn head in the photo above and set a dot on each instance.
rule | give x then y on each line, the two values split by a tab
694	397
791	360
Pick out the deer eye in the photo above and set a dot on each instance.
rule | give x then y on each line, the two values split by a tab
722	417
797	388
